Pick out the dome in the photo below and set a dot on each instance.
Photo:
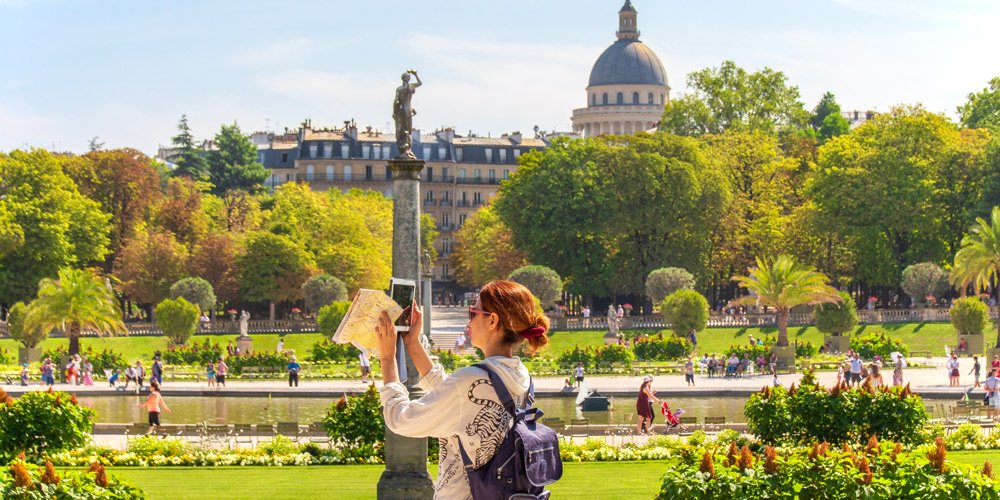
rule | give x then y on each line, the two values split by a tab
628	62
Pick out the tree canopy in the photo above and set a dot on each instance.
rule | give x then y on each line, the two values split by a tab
234	163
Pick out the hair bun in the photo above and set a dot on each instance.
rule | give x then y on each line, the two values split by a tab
533	332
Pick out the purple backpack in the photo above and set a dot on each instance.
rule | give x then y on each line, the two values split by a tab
526	460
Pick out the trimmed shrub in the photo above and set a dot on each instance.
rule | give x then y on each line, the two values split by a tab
805	350
579	354
750	351
197	291
543	282
969	315
326	350
330	316
39	423
663	349
321	290
877	342
836	318
613	355
356	423
193	354
665	281
685	310
262	359
178	319
15	326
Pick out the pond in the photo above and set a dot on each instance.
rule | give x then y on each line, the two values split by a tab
262	410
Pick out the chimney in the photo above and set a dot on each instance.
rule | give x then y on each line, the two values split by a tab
516	137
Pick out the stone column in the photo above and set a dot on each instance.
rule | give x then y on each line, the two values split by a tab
405	476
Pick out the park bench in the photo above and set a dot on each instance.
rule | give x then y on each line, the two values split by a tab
920	354
713	422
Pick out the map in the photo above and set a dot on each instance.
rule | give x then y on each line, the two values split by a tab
358	325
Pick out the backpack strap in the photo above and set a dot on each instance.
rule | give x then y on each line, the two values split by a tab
505	398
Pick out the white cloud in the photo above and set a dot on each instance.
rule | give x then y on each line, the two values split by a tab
19	128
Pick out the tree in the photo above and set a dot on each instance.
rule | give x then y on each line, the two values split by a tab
45	223
329	317
978	261
272	268
189	161
730	98
837	318
969	316
784	284
983	107
826	119
923	280
78	300
126	186
686	311
484	250
428	234
149	264
544	283
321	290
15	327
234	165
667	280
197	291
181	211
357	247
214	259
177	318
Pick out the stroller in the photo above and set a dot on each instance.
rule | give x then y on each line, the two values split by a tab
671	417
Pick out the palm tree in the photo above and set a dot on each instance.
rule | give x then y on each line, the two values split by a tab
78	300
977	261
784	284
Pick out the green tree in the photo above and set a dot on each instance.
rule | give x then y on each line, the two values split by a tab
234	164
686	311
826	119
189	161
784	284
837	318
177	318
923	280
197	291
15	327
544	283
731	98
272	268
181	211
45	223
978	261
982	108
329	317
667	280
321	290
428	234
969	315
78	300
484	250
358	245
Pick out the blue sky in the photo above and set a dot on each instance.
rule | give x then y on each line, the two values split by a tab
126	70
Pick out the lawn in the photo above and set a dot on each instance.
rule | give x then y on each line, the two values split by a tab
580	480
597	480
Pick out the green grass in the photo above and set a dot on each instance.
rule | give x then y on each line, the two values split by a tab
597	480
580	480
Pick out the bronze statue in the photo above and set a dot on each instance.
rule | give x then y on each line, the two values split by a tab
402	114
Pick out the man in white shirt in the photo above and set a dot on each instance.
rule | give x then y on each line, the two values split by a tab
586	316
992	387
855	373
459	342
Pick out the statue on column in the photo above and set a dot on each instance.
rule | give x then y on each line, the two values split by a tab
402	114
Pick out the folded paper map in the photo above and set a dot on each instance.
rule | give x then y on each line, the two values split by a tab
358	325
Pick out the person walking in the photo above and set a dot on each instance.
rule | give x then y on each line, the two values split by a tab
48	372
221	370
88	372
644	406
578	374
157	371
152	404
952	366
73	371
463	410
992	387
689	372
293	372
855	371
210	374
281	346
976	371
366	367
24	374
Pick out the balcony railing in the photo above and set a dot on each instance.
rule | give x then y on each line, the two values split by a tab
446	203
463	203
340	178
477	180
429	203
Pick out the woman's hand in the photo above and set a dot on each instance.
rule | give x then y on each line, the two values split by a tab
386	333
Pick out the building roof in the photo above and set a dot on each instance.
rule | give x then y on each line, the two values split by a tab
628	62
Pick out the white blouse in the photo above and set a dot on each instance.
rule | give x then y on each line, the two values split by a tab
461	407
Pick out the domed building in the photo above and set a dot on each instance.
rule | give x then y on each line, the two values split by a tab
628	85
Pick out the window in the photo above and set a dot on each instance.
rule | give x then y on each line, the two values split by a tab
503	156
444	271
260	157
347	172
477	198
444	174
430	175
288	177
635	98
461	220
366	151
427	153
310	172
385	152
430	196
312	150
329	172
458	154
517	153
506	173
477	173
661	98
377	152
461	173
368	171
329	150
447	218
489	155
446	246
465	197
442	152
345	150
284	157
593	99
388	173
651	98
605	99
446	198
620	98
493	174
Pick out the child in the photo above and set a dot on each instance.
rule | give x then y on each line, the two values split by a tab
24	374
113	379
152	404
578	373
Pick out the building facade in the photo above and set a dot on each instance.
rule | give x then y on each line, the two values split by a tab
628	85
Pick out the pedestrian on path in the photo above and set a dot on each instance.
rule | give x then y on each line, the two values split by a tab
578	373
157	370
992	387
976	371
293	372
952	366
152	404
210	374
48	372
88	372
24	374
689	372
366	367
854	375
139	372
644	406
221	370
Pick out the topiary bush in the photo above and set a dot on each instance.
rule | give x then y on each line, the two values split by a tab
356	423
837	318
177	318
662	349
39	423
197	291
877	342
923	280
969	315
664	281
330	316
578	354
321	290
684	311
613	355
544	283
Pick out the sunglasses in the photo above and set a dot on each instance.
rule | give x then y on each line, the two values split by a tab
473	311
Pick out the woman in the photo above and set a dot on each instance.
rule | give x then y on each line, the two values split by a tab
88	372
210	374
644	405
875	376
463	408
897	371
73	371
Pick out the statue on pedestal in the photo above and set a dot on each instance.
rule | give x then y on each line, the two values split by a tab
402	114
244	324
614	323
